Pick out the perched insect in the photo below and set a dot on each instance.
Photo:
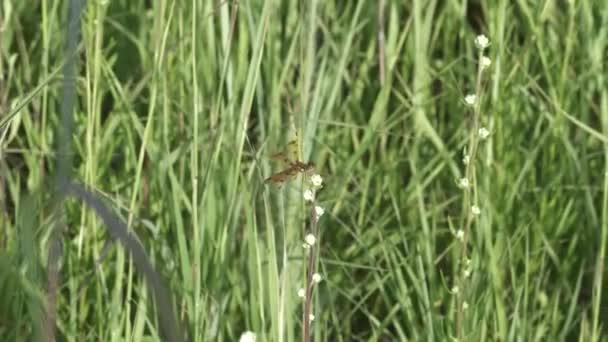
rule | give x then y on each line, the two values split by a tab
293	166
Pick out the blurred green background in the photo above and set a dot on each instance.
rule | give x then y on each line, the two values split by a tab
180	103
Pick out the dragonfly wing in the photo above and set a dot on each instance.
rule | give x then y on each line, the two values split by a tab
281	157
283	176
293	150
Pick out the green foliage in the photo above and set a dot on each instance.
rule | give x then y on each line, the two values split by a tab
181	102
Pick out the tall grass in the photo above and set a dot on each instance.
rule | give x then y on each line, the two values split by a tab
178	104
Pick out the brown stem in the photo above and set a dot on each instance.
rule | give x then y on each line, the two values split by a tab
306	324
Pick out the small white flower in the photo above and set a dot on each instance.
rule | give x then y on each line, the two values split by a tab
455	290
319	211
301	293
463	183
459	234
465	156
467	273
465	305
310	239
484	133
470	99
247	336
485	62
311	317
482	42
309	195
316	180
316	278
475	210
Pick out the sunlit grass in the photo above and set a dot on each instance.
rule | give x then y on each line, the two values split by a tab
181	103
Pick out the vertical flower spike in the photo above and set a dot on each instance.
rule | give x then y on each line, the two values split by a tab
470	200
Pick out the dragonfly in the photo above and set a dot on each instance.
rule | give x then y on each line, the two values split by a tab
290	158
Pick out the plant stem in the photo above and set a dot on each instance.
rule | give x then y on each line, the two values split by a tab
310	264
469	192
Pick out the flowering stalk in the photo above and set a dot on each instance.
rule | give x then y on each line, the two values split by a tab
310	264
312	278
469	182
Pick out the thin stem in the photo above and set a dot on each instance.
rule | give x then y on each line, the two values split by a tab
471	191
381	42
306	323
